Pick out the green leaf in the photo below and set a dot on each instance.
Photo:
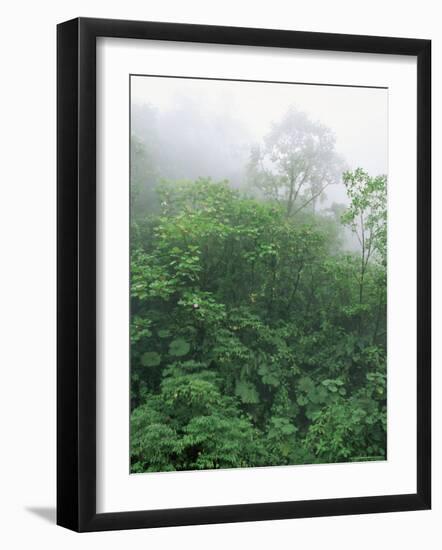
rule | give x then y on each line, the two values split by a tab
306	384
246	391
179	347
301	400
150	359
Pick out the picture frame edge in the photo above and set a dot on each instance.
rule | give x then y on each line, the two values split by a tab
76	284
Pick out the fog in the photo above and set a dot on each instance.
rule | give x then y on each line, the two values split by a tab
207	128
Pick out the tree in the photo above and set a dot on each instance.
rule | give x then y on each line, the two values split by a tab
244	349
143	178
367	217
297	162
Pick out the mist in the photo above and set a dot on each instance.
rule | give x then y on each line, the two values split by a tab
208	128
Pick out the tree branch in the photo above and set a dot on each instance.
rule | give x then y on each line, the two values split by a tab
311	198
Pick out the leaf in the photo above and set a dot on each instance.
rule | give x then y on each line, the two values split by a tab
179	347
150	359
163	333
246	391
301	400
267	376
306	384
271	380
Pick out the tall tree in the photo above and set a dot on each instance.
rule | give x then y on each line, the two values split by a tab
296	163
367	217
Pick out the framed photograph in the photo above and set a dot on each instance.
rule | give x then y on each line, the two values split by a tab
243	274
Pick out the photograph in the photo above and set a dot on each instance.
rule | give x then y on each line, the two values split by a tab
258	273
219	258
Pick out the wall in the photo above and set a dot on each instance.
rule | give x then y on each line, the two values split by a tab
27	292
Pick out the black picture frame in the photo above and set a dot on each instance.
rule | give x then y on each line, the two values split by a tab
76	274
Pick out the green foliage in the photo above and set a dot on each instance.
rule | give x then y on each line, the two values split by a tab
255	340
150	359
246	391
179	347
367	214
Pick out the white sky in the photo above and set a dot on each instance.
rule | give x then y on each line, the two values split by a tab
358	116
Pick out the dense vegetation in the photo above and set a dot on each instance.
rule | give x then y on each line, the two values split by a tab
257	338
